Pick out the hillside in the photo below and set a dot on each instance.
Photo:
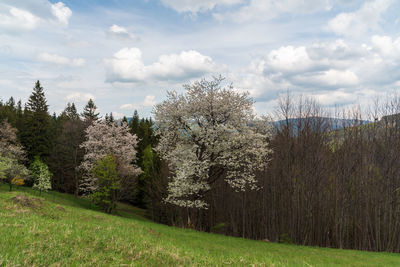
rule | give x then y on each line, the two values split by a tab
58	230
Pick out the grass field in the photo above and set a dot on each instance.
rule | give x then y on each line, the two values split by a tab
59	230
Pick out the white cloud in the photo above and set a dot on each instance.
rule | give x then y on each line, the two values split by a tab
61	12
337	67
147	102
329	78
120	31
18	19
127	66
80	97
129	106
386	46
267	9
60	60
339	96
366	19
195	6
288	59
31	14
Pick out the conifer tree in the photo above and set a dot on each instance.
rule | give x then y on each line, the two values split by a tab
89	113
66	155
35	136
70	112
37	101
134	124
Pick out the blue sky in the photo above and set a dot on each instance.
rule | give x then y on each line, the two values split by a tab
127	54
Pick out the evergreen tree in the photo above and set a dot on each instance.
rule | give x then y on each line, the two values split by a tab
66	154
134	124
11	103
36	132
89	113
70	112
37	101
143	128
111	118
8	112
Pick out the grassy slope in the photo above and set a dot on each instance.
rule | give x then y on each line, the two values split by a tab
64	231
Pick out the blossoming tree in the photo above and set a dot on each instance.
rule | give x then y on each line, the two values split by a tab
41	175
12	155
103	139
210	133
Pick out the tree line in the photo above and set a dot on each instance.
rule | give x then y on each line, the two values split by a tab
207	162
32	139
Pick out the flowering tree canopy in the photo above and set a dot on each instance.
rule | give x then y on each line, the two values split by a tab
41	175
103	139
211	132
9	146
12	172
11	156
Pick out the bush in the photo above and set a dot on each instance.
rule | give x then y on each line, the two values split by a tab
105	171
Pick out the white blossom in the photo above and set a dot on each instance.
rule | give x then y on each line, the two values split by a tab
209	133
101	140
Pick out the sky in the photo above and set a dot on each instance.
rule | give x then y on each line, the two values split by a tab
126	54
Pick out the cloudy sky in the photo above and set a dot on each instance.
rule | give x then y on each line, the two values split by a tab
125	54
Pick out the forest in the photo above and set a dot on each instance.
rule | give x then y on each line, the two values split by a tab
205	161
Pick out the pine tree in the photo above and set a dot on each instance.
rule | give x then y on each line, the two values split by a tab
89	113
134	124
66	154
70	112
111	119
36	132
37	101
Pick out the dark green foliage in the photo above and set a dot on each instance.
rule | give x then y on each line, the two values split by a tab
148	165
285	239
105	171
89	113
8	111
134	123
146	159
36	133
37	101
66	154
124	120
109	118
70	112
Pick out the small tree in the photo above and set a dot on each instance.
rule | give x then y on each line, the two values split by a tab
105	171
12	172
41	175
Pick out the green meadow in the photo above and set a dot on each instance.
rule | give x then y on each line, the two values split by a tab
57	229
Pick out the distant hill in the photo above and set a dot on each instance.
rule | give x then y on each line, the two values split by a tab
333	123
